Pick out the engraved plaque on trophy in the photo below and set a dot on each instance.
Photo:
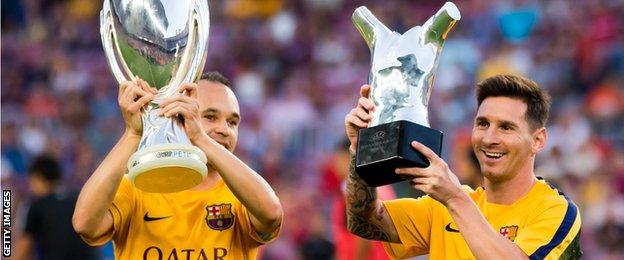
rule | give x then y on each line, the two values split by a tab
402	73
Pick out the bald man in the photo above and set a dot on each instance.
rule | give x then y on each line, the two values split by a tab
181	225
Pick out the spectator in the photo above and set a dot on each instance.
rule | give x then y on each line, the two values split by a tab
49	233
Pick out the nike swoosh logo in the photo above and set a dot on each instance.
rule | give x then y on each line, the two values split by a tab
450	229
148	218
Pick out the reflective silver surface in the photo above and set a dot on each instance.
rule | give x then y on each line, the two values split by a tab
403	65
164	42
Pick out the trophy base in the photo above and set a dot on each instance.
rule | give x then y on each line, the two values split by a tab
383	148
166	168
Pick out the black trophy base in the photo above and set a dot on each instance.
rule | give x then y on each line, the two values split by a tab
383	148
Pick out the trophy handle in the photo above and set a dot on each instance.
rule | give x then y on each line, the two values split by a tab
368	25
198	46
441	23
106	33
201	15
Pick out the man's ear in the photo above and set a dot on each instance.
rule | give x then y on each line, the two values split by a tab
539	140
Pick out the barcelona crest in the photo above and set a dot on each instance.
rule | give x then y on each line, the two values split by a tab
509	232
220	216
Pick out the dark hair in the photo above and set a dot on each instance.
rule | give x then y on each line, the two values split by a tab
215	76
537	100
47	167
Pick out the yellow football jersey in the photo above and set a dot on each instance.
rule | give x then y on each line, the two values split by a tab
210	224
544	224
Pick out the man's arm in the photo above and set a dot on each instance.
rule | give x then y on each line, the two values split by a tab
486	243
483	241
247	185
441	184
366	215
91	219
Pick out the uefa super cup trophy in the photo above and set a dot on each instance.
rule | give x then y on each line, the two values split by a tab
163	42
402	73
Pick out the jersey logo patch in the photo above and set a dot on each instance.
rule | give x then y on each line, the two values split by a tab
450	229
147	218
509	232
220	216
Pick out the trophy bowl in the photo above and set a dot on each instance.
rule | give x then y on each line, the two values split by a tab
402	73
164	42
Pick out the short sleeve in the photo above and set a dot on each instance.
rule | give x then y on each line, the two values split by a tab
121	210
255	235
412	220
550	233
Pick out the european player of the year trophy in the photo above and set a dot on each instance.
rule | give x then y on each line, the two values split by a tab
402	74
164	42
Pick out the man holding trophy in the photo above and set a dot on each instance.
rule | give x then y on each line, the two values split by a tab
515	215
186	195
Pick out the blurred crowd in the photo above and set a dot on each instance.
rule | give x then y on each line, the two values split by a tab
296	67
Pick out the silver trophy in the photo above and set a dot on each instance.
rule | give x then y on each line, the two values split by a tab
402	73
164	42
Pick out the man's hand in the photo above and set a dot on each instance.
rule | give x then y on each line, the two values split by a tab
437	180
359	117
186	106
132	97
92	220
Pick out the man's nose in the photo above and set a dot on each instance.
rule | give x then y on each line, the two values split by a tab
490	136
222	128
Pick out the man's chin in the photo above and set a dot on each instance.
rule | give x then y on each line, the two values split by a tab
494	176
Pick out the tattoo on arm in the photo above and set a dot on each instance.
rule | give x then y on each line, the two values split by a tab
361	207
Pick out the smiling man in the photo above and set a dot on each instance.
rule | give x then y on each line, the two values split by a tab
515	215
227	216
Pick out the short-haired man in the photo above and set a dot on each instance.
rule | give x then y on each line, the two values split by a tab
515	215
175	225
48	232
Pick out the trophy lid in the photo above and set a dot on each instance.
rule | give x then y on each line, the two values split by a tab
403	65
163	23
163	42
